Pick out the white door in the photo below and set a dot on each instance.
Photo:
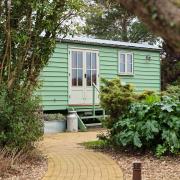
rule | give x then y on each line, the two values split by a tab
83	73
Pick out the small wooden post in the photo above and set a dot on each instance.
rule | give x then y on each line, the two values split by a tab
137	171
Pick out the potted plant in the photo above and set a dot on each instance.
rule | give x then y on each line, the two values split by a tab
54	123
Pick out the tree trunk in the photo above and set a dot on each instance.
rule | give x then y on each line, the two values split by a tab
161	16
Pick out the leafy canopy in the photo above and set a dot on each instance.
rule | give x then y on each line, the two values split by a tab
28	32
116	23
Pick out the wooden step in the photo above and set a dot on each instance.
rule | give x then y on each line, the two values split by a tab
93	117
87	110
93	125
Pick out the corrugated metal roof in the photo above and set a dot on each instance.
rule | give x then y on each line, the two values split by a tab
84	40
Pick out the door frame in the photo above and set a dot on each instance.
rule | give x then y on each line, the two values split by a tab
84	50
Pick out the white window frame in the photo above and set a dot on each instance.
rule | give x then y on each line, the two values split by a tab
126	72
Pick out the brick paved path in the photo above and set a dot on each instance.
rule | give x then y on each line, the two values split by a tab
67	160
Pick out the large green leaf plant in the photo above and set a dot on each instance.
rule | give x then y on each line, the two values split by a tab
153	126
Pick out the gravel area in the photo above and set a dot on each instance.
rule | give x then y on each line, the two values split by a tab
164	168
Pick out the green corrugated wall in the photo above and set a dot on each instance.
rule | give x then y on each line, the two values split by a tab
54	91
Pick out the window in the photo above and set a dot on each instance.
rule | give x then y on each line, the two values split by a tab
125	63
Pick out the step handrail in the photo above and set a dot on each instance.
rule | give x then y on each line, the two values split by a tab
94	88
81	125
94	85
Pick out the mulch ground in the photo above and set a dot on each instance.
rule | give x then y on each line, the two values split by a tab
33	169
164	168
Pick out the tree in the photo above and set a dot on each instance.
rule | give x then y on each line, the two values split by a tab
160	16
170	67
28	32
116	23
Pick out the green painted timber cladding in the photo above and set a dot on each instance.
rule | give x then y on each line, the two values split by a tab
54	91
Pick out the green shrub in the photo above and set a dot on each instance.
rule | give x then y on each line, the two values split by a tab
152	99
148	97
173	91
145	121
144	95
154	126
20	124
115	98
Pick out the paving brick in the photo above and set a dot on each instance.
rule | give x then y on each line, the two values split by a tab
67	160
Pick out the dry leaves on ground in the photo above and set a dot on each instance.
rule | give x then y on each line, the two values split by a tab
24	167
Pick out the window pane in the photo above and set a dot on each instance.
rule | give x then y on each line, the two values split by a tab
74	59
129	63
88	78
74	77
93	60
122	58
129	58
122	67
80	77
129	68
80	61
94	76
122	63
88	60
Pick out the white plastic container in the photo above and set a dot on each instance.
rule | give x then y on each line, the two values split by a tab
72	122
